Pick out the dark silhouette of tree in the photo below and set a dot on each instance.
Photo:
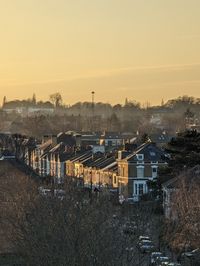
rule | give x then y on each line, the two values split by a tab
73	230
34	101
184	150
114	123
184	153
131	116
183	229
4	101
188	113
56	99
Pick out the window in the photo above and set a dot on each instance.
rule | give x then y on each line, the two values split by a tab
154	172
140	172
140	157
141	187
136	191
110	143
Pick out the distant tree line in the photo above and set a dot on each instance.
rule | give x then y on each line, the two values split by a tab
84	116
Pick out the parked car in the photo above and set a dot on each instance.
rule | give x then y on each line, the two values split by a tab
144	238
46	192
173	264
191	257
154	256
59	193
146	246
192	253
161	261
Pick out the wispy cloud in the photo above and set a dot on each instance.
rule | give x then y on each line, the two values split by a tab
112	72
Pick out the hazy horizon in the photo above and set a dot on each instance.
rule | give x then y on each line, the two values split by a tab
142	50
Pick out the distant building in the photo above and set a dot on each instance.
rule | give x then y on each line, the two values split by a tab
112	139
27	108
90	139
161	139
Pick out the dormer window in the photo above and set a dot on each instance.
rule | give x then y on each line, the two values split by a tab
152	153
140	157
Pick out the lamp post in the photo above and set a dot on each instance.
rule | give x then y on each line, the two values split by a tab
93	93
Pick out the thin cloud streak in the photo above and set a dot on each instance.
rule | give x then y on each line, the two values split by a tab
112	72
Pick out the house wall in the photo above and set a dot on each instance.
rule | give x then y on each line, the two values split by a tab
78	169
97	177
135	176
123	183
114	180
148	169
70	168
111	142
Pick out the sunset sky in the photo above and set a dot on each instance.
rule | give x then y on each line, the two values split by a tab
141	49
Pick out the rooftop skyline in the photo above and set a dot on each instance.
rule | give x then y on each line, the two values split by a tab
142	50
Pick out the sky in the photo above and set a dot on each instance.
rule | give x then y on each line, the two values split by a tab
145	50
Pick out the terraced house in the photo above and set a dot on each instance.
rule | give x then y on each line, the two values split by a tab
49	157
136	169
93	169
100	172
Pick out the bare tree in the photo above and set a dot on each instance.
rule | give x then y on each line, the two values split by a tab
70	230
56	99
183	230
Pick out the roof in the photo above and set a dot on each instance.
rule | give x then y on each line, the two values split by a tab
81	157
90	137
105	162
111	135
150	151
140	148
161	138
60	147
29	142
172	183
111	166
100	162
46	144
67	138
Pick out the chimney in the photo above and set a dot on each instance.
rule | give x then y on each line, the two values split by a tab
46	138
54	139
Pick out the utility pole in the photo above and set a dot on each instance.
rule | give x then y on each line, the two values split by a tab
93	93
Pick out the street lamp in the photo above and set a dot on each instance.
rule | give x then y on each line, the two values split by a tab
93	93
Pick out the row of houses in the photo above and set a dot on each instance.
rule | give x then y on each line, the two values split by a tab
125	168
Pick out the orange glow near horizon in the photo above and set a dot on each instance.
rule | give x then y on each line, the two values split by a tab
142	50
